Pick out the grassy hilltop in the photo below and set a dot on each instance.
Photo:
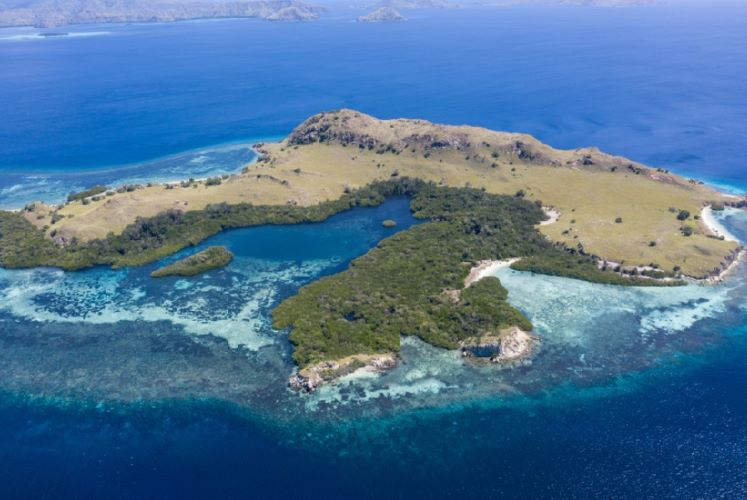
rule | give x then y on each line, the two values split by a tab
612	207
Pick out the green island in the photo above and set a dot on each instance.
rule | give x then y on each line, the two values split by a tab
206	260
484	196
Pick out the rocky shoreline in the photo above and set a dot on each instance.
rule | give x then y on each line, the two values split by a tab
727	267
510	345
310	378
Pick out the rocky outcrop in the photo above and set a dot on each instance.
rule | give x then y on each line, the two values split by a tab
510	345
311	377
515	344
351	128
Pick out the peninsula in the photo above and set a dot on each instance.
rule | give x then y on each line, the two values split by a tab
485	197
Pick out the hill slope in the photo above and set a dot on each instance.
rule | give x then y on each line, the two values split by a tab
609	206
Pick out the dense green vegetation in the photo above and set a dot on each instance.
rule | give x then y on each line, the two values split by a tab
584	268
401	286
404	286
210	258
85	194
398	287
148	239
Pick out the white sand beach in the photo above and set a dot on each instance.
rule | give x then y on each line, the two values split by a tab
714	226
486	268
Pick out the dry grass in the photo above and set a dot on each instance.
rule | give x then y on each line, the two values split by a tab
589	188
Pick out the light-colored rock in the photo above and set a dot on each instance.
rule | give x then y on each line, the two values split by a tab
311	377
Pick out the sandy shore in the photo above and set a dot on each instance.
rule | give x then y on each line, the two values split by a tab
486	268
714	226
553	215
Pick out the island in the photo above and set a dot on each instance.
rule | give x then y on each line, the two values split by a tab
206	260
486	199
48	13
382	15
415	4
569	3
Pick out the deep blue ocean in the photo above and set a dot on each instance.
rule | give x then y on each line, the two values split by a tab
115	385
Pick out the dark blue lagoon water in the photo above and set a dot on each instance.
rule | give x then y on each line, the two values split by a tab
117	385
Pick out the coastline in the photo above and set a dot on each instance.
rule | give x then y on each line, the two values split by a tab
284	187
52	186
310	378
733	261
487	268
729	266
714	226
510	346
117	167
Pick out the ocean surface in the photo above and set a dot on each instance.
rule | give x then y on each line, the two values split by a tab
120	386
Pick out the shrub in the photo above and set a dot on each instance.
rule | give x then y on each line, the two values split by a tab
85	194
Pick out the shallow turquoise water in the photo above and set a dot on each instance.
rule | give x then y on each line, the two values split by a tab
97	365
21	186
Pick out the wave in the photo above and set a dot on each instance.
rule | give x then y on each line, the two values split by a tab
22	37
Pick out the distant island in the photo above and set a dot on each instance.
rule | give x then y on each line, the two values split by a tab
413	4
51	13
487	199
382	15
572	3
